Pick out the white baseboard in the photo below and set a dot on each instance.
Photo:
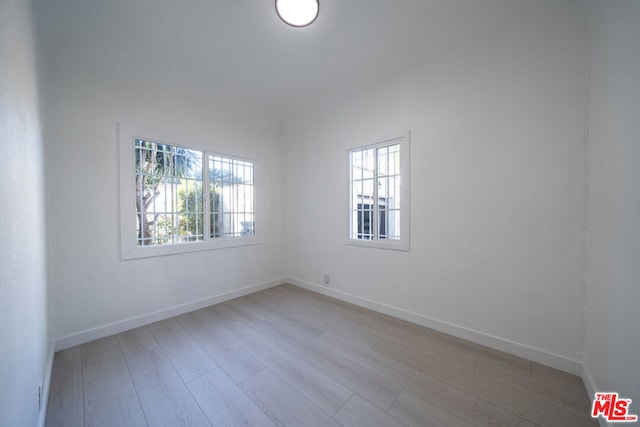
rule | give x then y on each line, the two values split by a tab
518	349
589	383
522	350
46	387
145	319
545	358
591	387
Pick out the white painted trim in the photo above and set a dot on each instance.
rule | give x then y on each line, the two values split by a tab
591	387
589	384
145	319
518	349
404	140
127	133
540	356
42	417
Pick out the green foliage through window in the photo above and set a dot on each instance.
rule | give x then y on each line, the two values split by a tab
170	198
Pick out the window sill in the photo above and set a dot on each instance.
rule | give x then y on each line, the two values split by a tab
136	252
393	245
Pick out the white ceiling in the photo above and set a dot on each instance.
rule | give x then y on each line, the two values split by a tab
240	49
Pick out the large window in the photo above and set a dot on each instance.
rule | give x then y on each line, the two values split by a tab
379	192
177	198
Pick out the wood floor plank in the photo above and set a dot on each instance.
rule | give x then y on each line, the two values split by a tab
184	353
376	387
416	412
68	355
267	311
235	359
357	412
165	399
414	336
302	300
313	383
578	403
372	385
437	343
468	407
420	339
65	407
325	319
417	360
110	398
328	303
282	403
559	378
327	393
503	395
504	361
224	403
136	341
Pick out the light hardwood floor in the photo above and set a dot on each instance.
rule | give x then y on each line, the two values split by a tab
287	356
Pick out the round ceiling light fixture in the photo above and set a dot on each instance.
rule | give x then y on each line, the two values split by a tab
298	13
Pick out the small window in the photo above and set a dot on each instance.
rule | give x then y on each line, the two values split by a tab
176	198
379	192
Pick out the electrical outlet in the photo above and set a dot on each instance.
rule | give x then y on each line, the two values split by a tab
40	396
326	279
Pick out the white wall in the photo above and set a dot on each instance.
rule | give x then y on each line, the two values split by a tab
88	88
498	195
612	346
25	344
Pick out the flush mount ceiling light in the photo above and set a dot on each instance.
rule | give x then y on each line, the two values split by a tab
297	13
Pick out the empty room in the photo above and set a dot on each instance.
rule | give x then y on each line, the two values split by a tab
319	212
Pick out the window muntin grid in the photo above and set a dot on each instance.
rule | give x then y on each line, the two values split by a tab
388	192
170	202
231	195
129	247
169	208
375	193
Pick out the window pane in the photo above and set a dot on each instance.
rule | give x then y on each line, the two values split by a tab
383	164
190	217
356	165
168	193
365	214
382	222
368	163
389	192
375	193
231	196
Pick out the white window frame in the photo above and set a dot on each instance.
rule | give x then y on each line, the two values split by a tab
401	244
129	249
